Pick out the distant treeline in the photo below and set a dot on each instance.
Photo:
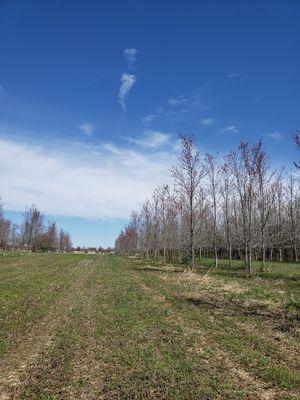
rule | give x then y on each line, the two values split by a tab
238	206
99	249
33	234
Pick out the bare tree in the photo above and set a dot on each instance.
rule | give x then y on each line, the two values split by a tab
160	197
15	236
227	206
187	175
243	166
146	225
51	236
266	188
292	212
32	233
65	242
278	219
241	209
5	227
296	138
32	227
211	170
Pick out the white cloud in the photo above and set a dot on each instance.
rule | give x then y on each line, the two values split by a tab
176	109
130	55
229	129
128	81
151	139
148	119
207	121
1	89
233	75
237	76
87	128
177	101
275	136
106	181
187	102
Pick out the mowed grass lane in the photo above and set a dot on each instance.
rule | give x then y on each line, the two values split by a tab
105	327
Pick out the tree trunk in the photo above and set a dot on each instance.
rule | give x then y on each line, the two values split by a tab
246	256
230	255
216	257
295	253
192	233
249	269
263	261
280	254
271	254
248	260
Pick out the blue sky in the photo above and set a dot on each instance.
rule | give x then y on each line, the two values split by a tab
94	93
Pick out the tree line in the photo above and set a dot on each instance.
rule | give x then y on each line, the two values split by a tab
234	207
34	233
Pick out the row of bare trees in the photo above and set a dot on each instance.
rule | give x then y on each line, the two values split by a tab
34	233
236	206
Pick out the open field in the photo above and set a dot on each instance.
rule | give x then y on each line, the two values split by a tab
106	327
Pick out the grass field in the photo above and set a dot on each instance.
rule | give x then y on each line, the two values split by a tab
106	327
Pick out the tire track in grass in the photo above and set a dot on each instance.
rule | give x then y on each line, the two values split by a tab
115	335
163	338
72	368
87	366
18	362
27	298
142	352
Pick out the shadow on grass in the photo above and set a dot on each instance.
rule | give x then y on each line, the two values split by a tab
275	319
240	273
277	275
232	308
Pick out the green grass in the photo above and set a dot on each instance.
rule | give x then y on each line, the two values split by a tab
80	326
273	268
284	277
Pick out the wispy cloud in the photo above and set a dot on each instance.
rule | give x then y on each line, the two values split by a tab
87	128
233	75
177	108
207	121
127	82
275	136
1	89
185	102
237	76
151	139
178	101
89	179
229	129
148	119
131	56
